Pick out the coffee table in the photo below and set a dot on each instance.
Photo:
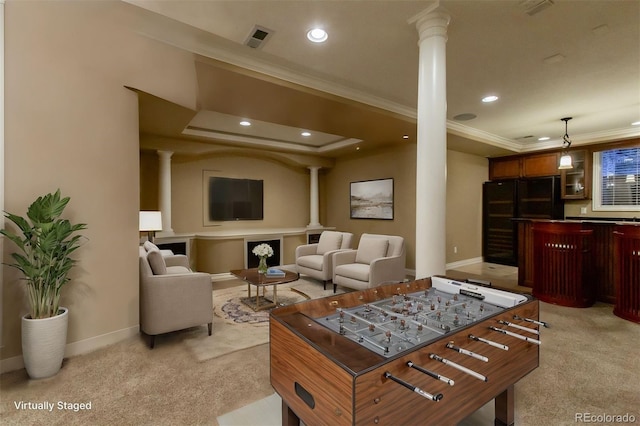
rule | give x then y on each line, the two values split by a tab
252	277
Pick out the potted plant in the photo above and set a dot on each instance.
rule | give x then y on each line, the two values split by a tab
45	243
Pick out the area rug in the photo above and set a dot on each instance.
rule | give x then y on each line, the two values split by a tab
229	306
236	326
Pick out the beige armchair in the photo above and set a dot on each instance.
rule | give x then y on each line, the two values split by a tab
172	297
379	259
315	260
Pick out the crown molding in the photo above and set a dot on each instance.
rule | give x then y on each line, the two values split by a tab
268	143
199	42
481	136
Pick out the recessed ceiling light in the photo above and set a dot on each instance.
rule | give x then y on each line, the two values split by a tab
317	35
245	123
405	136
305	134
357	148
465	116
544	138
636	123
491	98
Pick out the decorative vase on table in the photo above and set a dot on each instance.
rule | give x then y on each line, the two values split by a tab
263	251
262	266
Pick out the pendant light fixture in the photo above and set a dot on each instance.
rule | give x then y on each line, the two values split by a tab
565	161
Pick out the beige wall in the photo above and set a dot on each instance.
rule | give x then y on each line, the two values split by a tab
287	195
465	172
286	191
397	163
465	176
71	124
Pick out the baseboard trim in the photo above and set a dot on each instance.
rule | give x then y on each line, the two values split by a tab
460	263
224	276
76	348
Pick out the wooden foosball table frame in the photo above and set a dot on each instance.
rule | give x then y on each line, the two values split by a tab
326	379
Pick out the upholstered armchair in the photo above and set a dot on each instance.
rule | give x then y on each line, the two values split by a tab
315	260
379	259
172	297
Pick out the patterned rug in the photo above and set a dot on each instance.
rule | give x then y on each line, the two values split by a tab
229	305
236	326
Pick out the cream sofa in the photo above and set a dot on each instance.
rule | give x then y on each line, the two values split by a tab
172	297
379	259
315	260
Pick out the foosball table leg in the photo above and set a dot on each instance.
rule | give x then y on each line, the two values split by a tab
504	407
289	418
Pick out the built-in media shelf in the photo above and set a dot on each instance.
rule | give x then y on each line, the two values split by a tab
219	251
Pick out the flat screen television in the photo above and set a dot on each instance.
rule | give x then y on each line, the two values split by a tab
235	199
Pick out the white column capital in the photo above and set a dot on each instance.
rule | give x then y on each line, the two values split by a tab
432	22
165	155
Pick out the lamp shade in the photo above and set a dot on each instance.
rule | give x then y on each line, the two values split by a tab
565	162
150	221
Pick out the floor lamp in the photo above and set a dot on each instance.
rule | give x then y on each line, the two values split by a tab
150	222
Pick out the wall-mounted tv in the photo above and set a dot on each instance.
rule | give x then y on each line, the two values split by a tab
235	199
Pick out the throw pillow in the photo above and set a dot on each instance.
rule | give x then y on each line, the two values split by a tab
329	240
148	246
156	261
370	249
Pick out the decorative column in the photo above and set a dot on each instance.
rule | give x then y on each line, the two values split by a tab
164	190
431	155
313	199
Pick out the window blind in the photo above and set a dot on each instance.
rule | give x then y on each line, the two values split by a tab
620	172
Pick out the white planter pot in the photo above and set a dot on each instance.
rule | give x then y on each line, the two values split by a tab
43	344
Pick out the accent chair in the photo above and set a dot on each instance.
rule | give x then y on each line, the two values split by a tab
315	260
379	259
172	297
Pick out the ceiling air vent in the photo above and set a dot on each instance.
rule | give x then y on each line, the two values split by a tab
531	7
258	37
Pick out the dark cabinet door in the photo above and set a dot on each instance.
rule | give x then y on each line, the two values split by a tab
499	230
540	198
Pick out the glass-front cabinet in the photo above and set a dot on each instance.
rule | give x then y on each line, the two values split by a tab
575	182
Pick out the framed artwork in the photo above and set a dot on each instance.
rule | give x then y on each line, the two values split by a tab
372	199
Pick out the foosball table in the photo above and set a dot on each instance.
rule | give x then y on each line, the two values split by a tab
425	352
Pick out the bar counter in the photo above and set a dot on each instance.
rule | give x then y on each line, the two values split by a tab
602	255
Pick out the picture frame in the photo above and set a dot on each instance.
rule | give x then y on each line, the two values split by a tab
371	199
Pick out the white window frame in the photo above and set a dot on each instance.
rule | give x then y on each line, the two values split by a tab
596	183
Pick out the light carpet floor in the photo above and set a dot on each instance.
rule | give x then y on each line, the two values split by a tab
589	363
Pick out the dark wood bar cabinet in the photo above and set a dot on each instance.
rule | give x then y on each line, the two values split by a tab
562	272
627	272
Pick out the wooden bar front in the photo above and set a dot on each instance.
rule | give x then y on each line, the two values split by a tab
627	272
603	260
326	379
562	264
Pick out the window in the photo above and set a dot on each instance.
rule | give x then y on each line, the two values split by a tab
616	175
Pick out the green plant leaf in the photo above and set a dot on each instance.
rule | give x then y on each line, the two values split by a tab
45	243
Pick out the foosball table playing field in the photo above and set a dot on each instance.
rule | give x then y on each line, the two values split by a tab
426	352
